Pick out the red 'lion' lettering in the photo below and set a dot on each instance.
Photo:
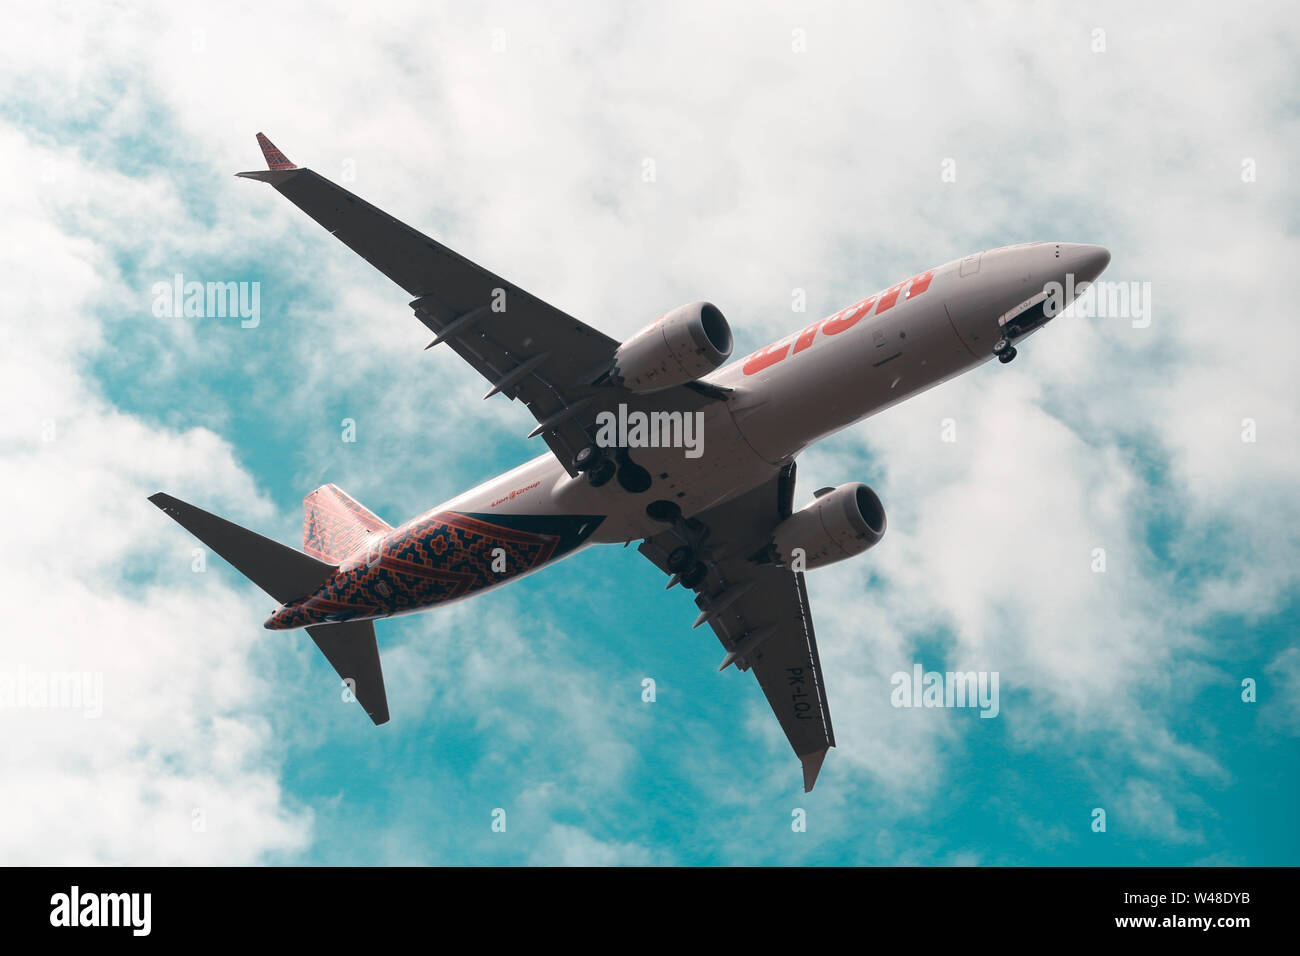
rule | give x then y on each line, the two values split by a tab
849	317
765	358
806	337
920	284
841	321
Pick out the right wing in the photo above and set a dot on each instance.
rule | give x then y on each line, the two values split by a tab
524	347
760	611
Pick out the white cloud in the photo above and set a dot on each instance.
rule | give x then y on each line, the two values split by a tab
565	845
1143	809
1283	702
179	767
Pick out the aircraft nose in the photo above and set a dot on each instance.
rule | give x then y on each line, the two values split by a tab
1086	262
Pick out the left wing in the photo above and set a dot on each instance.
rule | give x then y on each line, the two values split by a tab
759	611
524	347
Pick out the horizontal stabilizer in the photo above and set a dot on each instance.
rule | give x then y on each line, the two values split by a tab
277	569
352	649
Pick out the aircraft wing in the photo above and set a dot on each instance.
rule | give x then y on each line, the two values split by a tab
525	348
759	611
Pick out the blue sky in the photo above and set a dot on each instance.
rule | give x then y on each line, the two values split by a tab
784	159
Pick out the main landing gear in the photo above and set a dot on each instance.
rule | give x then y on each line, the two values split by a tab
600	468
592	462
683	562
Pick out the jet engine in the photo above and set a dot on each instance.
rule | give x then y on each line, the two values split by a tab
837	524
683	345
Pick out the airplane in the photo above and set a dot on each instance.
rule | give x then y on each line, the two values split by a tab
720	522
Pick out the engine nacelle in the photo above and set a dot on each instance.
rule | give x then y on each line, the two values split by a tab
840	523
687	343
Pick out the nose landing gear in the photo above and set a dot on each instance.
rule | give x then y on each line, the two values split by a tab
1003	348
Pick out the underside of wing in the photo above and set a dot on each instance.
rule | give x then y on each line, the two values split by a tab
758	610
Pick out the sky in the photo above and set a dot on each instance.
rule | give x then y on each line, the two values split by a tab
616	160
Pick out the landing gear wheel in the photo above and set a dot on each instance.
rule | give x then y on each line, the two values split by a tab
681	559
587	458
600	473
1007	356
696	575
1001	345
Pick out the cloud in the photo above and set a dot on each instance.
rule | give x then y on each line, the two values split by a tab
572	846
179	766
1144	810
1284	705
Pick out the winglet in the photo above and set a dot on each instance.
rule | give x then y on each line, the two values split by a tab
274	158
812	765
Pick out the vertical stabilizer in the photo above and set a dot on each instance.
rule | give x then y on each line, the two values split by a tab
336	525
